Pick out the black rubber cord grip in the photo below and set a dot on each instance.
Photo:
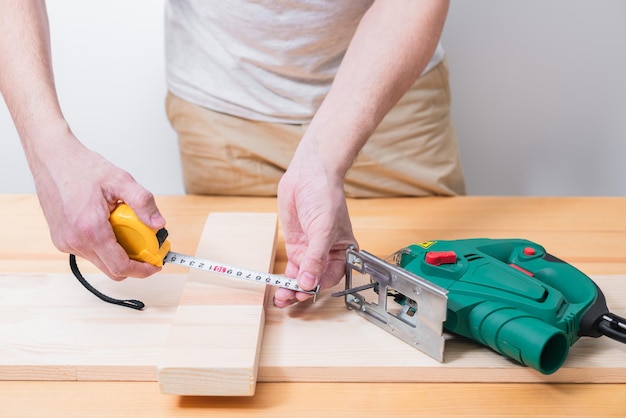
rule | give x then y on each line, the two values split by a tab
129	303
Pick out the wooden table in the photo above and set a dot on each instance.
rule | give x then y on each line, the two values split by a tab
587	232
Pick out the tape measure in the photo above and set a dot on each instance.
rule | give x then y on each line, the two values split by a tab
236	272
142	243
145	244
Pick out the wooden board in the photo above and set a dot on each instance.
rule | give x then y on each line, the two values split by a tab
324	342
215	339
52	329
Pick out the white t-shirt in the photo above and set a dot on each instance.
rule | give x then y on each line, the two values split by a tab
264	60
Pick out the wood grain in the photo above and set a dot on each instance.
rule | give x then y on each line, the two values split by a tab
52	329
589	232
215	339
329	400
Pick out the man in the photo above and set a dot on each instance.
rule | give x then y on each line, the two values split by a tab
310	99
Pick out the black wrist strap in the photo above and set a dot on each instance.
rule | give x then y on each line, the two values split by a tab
129	303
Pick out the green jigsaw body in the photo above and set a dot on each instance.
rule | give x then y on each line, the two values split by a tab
510	295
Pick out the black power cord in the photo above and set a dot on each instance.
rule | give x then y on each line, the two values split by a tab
613	326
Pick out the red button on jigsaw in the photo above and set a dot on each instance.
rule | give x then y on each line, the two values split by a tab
437	258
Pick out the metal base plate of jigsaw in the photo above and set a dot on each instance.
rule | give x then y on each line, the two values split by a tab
402	303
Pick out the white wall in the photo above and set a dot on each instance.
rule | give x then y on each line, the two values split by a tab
539	91
108	61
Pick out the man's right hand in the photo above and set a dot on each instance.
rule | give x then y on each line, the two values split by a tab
78	189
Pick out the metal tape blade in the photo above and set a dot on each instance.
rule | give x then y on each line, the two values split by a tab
235	272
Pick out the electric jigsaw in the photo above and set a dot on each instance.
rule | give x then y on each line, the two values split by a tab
508	294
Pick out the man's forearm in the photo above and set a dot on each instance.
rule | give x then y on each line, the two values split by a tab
392	45
26	77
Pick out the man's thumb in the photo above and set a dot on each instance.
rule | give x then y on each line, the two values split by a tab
146	209
312	265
